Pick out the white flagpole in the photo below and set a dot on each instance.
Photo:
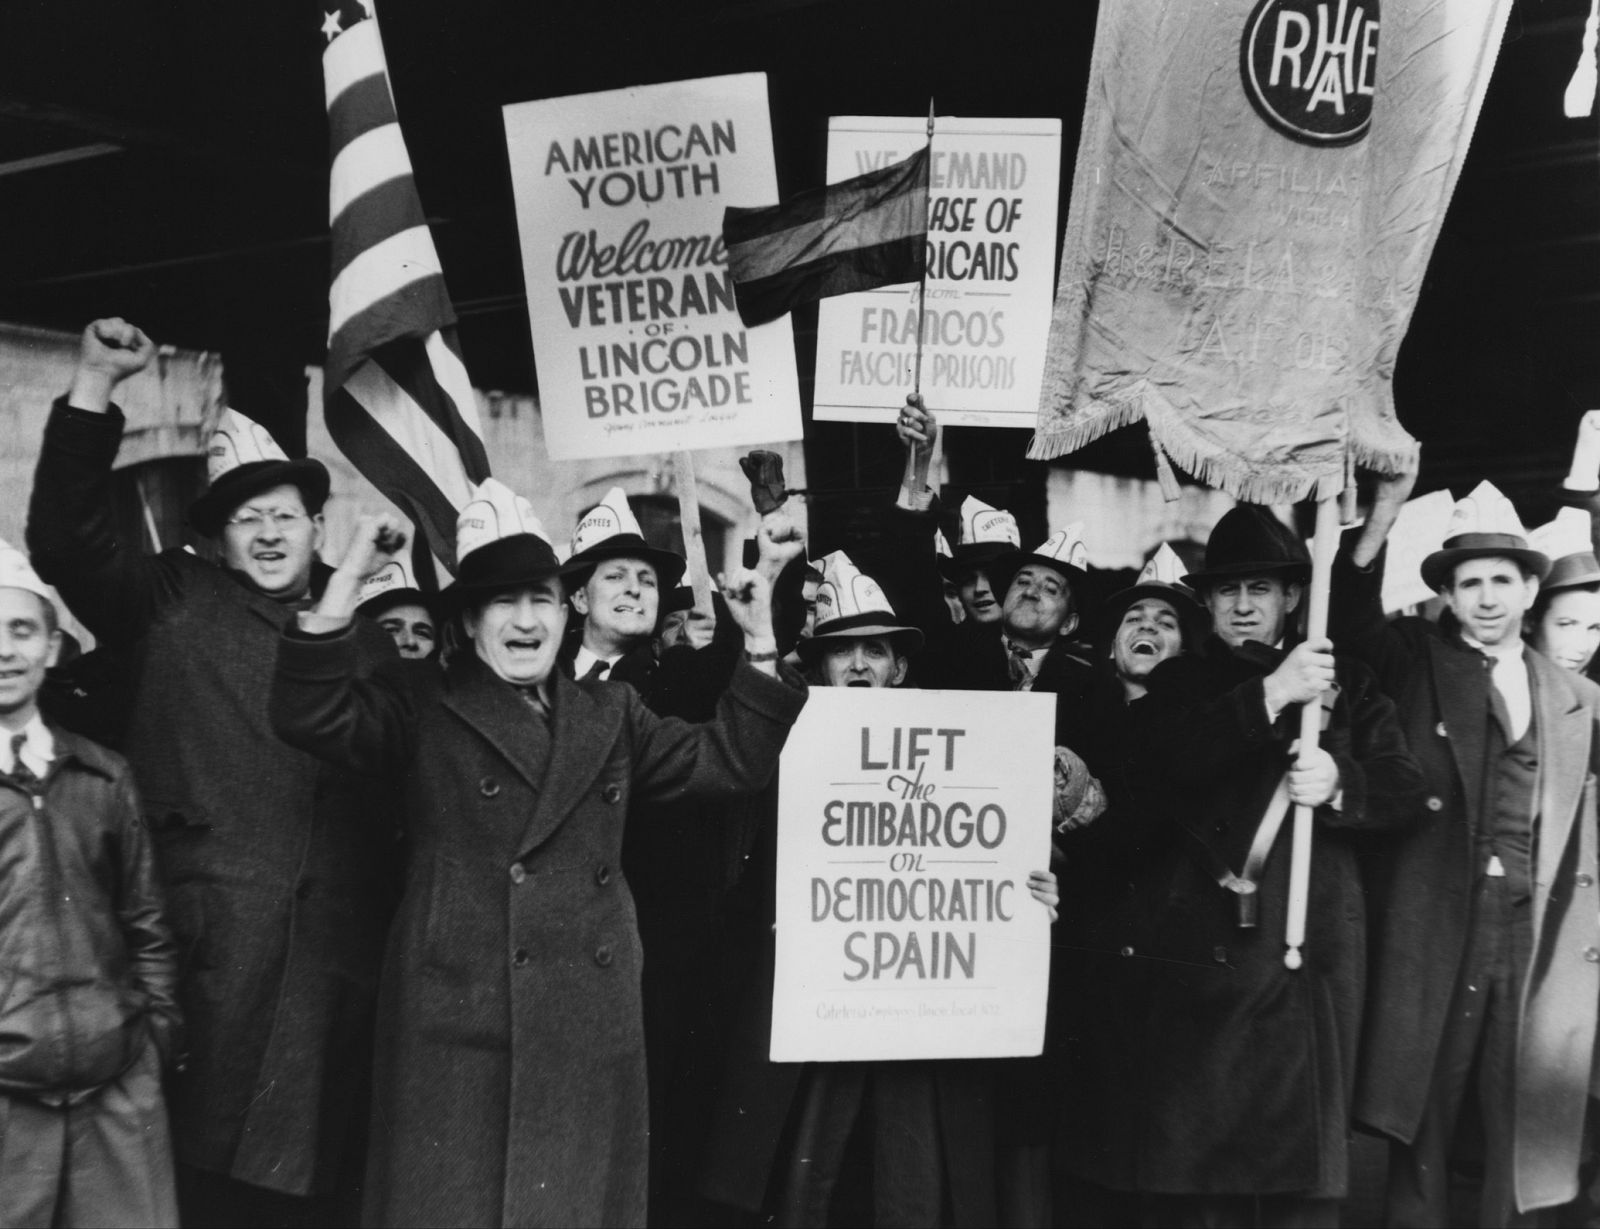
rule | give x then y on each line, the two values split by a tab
1323	545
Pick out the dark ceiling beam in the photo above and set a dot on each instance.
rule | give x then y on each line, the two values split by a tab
59	157
135	135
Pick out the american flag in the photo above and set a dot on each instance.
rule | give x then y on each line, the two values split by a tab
395	392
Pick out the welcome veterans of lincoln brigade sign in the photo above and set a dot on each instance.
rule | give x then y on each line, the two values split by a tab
993	186
908	822
636	338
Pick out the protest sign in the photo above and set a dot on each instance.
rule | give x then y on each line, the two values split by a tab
993	187
619	197
908	823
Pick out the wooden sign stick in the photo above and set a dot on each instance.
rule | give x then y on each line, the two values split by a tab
694	542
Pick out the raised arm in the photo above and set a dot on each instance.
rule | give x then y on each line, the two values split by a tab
1355	613
319	701
114	589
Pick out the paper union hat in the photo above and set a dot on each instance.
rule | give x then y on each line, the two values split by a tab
242	460
1250	541
1064	550
391	585
986	534
941	544
1568	541
1484	525
609	531
850	603
500	543
1162	578
17	573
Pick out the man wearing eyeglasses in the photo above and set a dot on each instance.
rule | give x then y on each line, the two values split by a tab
278	882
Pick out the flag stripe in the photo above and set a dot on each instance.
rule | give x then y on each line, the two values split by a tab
863	268
411	369
444	352
379	272
388	209
394	472
371	159
361	108
355	54
844	198
396	395
864	225
405	422
412	311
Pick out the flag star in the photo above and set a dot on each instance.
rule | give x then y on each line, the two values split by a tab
331	26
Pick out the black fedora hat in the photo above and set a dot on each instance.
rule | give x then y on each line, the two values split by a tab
1250	541
1578	570
210	512
1195	618
509	563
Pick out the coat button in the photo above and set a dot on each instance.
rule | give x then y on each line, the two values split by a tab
1585	879
488	787
1441	731
519	957
602	955
1219	954
302	890
1127	951
1435	803
612	793
1592	955
603	876
518	872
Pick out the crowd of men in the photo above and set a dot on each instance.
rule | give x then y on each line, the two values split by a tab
457	908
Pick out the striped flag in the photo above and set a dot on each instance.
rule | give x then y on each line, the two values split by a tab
856	235
395	392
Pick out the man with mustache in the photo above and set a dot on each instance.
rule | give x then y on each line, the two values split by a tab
278	893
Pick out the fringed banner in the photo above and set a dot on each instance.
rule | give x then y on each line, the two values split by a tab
1258	188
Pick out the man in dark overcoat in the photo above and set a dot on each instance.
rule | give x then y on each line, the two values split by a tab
510	1075
1240	1070
276	868
1486	956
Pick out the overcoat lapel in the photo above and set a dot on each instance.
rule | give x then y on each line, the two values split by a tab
1563	764
492	707
1461	697
583	732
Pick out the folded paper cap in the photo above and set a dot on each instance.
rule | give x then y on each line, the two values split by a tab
16	572
986	533
609	530
501	543
1064	550
1569	542
1483	525
851	604
1250	541
1162	578
242	460
391	585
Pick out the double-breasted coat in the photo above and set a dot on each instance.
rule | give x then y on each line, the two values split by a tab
278	867
510	1080
1422	887
1238	1071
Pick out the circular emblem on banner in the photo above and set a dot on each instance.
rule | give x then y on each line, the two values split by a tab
1310	67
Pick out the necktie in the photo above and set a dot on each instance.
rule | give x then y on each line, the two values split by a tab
597	672
534	701
1020	661
20	772
1510	678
